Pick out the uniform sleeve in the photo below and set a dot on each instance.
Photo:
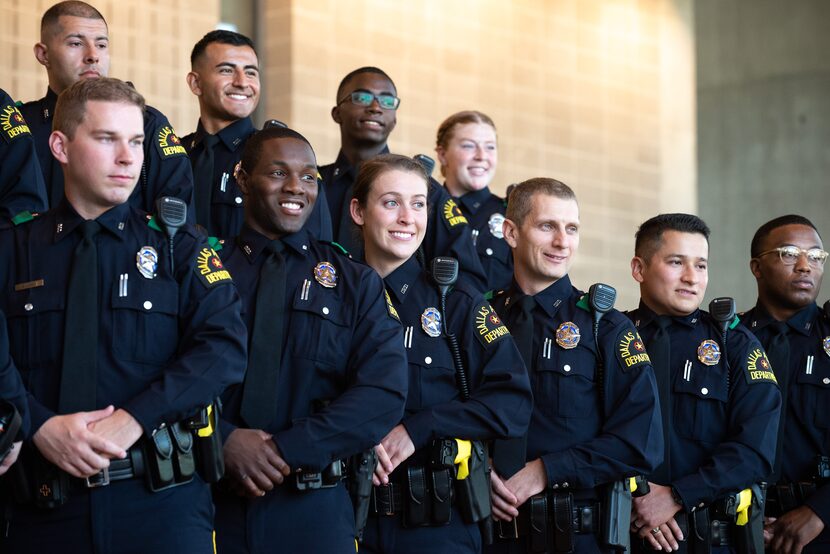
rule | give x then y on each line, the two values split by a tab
500	400
212	351
22	187
630	441
11	386
374	399
166	170
746	453
448	234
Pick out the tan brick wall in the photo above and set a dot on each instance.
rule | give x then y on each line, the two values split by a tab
150	42
597	93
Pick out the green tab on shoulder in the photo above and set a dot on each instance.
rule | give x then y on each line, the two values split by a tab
583	303
152	223
735	322
216	243
488	295
18	103
339	247
23	217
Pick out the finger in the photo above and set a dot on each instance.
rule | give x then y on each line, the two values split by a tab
383	459
500	515
503	492
380	476
675	530
96	415
250	486
274	475
103	446
652	541
505	507
275	460
663	542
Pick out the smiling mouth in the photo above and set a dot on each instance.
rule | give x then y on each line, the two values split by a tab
686	292
372	123
238	96
478	171
291	206
401	235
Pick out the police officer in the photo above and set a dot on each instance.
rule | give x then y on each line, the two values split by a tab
225	77
492	399
326	374
788	264
74	45
21	182
120	334
468	152
12	398
366	109
595	419
720	402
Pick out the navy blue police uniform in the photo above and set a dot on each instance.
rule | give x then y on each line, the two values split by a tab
11	386
166	170
341	388
485	213
226	199
589	429
168	343
724	412
448	233
21	183
499	405
805	425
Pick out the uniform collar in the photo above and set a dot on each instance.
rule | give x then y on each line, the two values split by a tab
646	315
400	281
233	136
47	104
475	199
343	167
549	299
253	243
801	322
67	220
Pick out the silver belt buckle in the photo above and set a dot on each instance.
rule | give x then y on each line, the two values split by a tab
100	479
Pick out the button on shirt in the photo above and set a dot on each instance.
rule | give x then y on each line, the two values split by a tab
582	441
167	345
500	399
485	213
724	421
342	382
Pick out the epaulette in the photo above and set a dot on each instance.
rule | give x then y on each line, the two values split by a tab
24	217
216	243
583	303
152	223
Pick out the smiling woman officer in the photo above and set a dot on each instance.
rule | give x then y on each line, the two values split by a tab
444	336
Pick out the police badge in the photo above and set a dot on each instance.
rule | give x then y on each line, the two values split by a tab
147	261
826	344
431	322
708	352
567	335
496	224
325	274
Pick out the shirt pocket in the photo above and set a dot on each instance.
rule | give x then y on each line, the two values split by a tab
813	388
565	383
432	373
145	323
320	329
35	319
700	404
492	248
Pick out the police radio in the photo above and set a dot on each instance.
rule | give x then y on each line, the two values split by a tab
444	272
172	213
723	311
601	298
426	162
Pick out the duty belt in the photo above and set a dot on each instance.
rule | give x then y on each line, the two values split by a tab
783	497
119	469
584	518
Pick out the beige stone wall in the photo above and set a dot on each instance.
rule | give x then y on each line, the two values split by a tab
597	93
150	42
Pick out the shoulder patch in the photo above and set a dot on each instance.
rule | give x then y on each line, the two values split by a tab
12	124
169	145
452	214
489	328
758	368
392	311
209	268
24	217
630	350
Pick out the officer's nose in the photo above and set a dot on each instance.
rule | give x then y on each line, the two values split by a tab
91	56
125	154
802	264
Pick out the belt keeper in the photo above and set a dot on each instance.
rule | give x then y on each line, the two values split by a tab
563	533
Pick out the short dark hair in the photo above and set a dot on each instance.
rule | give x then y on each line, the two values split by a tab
359	71
520	201
73	8
764	230
71	106
222	37
649	236
253	146
373	168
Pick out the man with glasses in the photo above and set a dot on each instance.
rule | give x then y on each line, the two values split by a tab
366	109
788	264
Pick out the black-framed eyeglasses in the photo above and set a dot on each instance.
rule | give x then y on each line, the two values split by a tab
789	255
365	98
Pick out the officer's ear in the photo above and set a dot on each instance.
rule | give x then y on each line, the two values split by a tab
193	82
511	233
335	114
356	211
42	54
755	267
241	179
58	143
637	268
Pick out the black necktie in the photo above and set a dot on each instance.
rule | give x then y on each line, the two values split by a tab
509	455
659	351
259	397
779	358
203	180
80	333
